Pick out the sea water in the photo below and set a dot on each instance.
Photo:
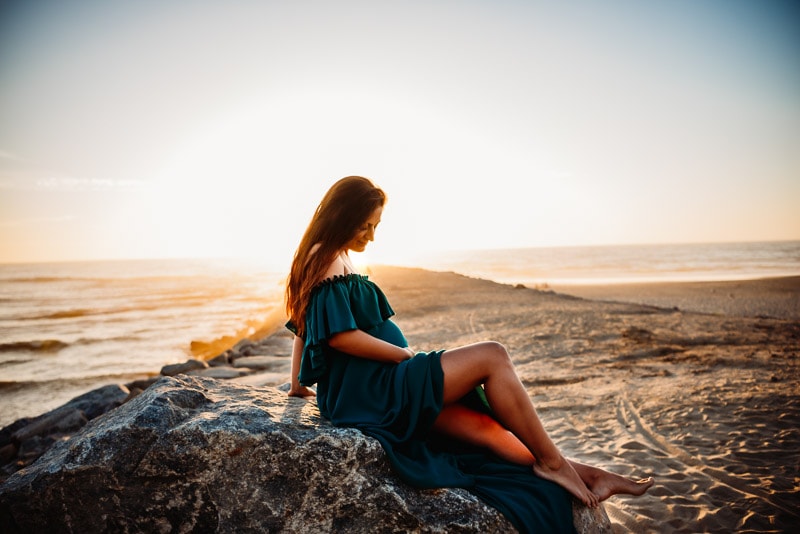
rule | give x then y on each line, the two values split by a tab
625	263
66	328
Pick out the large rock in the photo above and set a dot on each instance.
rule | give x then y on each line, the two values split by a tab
24	441
202	455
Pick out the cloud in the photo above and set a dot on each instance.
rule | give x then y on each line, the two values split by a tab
18	174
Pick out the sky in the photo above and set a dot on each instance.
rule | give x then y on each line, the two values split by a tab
170	128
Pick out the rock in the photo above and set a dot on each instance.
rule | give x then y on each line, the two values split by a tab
143	383
97	401
242	344
263	362
57	421
185	367
137	386
27	439
7	452
220	372
221	360
591	521
265	379
201	455
279	344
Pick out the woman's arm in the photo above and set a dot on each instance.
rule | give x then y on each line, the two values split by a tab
359	343
296	389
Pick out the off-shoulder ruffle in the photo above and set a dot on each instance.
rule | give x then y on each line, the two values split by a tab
338	304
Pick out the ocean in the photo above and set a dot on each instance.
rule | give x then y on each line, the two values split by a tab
564	266
66	328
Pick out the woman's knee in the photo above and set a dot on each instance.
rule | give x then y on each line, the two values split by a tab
468	366
495	353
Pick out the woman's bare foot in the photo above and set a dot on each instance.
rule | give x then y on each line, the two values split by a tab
565	476
604	484
613	484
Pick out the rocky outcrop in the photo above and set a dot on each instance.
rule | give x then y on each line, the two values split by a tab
270	354
203	455
24	441
261	362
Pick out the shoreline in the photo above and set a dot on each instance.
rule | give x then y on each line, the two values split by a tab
706	402
772	297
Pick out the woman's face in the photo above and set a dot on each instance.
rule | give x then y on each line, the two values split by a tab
366	232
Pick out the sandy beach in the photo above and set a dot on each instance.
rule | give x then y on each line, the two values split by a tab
705	401
696	384
769	297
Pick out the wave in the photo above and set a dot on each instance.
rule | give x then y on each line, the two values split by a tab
66	314
110	378
86	312
37	345
254	329
132	280
55	345
149	306
42	279
13	362
103	280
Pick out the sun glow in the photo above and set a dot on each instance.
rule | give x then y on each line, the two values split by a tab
253	175
489	125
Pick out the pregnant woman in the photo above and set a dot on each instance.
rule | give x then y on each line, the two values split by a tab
446	418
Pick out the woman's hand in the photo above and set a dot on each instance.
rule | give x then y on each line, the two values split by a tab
295	389
410	352
302	391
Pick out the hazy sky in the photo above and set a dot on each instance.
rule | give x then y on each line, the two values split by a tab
169	128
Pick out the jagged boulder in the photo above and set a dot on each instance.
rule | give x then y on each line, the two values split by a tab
203	455
24	441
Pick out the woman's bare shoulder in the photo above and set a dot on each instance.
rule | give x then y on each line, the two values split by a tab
336	268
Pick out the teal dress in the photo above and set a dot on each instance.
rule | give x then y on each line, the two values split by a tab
398	403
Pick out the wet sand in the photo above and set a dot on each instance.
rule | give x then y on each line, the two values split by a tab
706	401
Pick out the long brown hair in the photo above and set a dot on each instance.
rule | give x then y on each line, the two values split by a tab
342	211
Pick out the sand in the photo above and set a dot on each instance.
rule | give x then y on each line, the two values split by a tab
707	403
770	297
696	384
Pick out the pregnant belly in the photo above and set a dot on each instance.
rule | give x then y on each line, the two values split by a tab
389	332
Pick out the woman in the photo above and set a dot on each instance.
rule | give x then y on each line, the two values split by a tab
450	418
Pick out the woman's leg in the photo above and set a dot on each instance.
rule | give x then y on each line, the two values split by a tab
488	363
482	430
